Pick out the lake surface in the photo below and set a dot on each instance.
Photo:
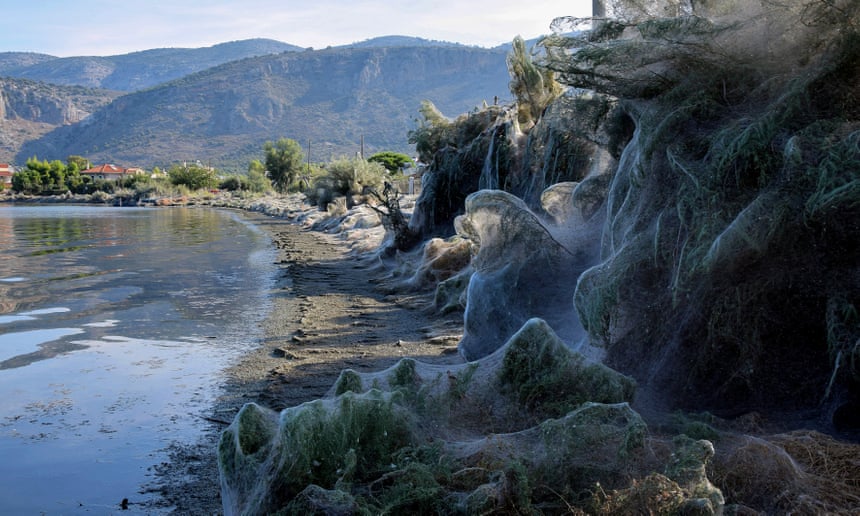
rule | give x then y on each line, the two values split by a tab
115	324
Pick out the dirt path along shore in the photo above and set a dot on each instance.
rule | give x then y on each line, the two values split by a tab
329	312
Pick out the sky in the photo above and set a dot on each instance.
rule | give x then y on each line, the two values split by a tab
66	28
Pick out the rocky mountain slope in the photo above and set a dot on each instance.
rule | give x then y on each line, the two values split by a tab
29	109
332	97
134	71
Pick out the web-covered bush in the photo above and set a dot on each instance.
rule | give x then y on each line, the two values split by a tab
728	275
346	177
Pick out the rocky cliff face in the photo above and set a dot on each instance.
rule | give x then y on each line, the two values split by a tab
29	109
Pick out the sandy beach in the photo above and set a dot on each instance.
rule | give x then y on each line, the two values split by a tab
332	309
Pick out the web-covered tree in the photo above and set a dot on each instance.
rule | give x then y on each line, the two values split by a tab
433	131
732	193
436	132
533	86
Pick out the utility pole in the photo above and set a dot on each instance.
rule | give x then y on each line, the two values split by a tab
361	155
308	175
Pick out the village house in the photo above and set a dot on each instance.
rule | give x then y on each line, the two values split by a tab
6	171
109	172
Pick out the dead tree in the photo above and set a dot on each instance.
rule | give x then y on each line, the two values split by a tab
388	207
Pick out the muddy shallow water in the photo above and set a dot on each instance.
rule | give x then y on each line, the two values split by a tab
115	325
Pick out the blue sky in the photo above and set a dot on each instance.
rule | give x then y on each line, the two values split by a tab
110	27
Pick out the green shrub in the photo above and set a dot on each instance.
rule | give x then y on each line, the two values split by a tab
346	177
231	184
392	161
193	177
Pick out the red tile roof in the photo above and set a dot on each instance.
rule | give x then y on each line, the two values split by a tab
108	168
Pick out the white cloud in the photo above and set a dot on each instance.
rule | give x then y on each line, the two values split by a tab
107	27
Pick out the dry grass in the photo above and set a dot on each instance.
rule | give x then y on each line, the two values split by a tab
801	472
835	463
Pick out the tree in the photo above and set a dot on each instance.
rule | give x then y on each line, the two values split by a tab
283	162
79	162
42	177
346	177
26	181
432	133
74	179
393	218
256	165
349	176
57	175
534	87
258	182
392	161
193	176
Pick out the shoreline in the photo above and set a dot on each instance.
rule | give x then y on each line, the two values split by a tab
328	312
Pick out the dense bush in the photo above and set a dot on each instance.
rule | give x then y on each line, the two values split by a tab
435	132
47	178
284	160
232	184
392	161
254	181
346	177
194	177
729	206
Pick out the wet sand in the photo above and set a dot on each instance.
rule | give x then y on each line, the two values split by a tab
330	311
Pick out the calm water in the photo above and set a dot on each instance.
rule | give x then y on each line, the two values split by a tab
114	326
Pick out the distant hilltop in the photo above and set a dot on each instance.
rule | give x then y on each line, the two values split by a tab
134	71
139	70
221	103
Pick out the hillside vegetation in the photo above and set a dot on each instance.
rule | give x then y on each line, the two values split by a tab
331	97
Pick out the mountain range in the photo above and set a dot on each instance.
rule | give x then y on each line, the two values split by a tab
134	71
220	104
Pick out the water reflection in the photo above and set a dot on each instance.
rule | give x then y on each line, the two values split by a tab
48	233
114	323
